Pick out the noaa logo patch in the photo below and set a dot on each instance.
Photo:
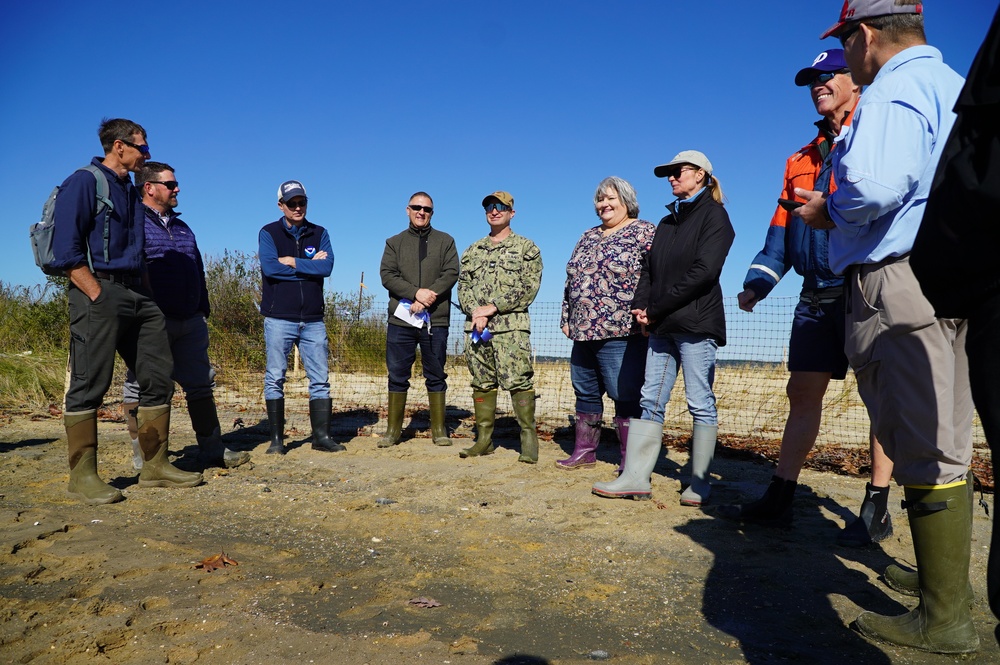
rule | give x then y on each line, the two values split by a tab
310	252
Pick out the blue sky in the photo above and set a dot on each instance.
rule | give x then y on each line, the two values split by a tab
367	102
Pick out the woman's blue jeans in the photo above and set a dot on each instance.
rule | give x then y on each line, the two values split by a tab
695	355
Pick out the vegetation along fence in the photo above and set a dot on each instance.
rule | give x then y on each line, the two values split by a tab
750	379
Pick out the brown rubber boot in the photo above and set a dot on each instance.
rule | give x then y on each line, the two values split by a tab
157	471
84	483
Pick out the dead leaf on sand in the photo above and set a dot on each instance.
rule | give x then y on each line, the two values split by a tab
219	560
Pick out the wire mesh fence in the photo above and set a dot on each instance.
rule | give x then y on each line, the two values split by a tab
749	384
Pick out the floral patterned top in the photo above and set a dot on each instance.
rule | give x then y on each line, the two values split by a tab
601	277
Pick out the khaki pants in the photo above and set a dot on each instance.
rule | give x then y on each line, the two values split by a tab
912	372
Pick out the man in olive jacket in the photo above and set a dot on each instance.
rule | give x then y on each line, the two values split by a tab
419	267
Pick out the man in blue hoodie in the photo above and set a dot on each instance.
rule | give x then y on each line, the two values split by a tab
99	246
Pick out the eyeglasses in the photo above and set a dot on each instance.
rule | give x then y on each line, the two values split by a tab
415	208
296	203
499	207
826	77
169	184
844	36
144	149
676	171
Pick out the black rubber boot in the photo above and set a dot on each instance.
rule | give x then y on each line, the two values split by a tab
873	524
772	509
212	449
276	420
319	418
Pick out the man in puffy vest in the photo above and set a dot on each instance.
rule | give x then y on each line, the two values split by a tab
177	278
295	256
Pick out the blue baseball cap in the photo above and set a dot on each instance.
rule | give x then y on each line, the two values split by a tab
827	61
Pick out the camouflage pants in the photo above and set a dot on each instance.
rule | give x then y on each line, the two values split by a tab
504	362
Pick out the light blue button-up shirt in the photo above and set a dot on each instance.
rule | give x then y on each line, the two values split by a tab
887	157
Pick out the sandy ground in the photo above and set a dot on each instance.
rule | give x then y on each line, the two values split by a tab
525	565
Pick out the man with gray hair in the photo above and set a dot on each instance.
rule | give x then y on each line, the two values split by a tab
910	365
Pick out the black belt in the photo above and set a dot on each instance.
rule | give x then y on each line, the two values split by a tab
129	279
816	297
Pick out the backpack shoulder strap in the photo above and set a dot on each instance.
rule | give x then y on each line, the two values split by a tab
104	205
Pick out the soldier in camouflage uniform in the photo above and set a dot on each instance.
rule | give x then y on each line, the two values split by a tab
499	279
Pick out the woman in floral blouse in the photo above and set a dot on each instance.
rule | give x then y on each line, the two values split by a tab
609	351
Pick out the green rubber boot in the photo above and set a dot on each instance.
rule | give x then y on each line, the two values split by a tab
524	411
157	471
439	431
394	428
942	622
84	483
484	403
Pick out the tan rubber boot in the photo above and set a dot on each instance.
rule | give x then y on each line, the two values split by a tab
157	471
128	408
84	483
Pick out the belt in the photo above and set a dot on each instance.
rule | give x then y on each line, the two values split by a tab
124	278
821	296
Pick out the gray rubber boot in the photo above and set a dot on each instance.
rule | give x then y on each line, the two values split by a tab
133	432
212	449
703	439
621	429
645	438
942	543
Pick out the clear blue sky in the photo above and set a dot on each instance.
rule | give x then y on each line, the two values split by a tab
367	102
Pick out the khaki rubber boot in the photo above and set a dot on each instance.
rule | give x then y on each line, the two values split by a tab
524	411
394	428
128	408
484	403
84	483
439	431
157	471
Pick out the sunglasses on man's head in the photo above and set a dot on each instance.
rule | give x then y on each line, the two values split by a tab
501	207
415	208
169	184
144	149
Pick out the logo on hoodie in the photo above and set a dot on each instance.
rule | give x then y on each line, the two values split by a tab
310	252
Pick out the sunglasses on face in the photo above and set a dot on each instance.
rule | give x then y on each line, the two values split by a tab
169	184
415	208
499	207
826	77
144	149
844	36
296	203
676	171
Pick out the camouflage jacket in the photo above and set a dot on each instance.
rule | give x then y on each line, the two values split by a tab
506	274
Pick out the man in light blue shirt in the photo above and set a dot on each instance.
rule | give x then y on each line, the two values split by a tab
911	367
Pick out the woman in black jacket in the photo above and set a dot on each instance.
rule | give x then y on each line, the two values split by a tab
679	301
